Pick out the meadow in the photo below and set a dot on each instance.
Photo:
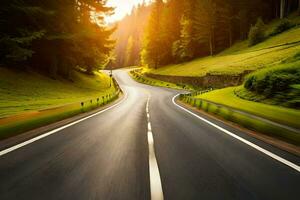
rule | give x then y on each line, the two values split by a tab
29	91
29	100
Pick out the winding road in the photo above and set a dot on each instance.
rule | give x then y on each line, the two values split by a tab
147	147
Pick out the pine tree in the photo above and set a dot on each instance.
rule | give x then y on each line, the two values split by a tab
130	52
54	36
153	40
18	30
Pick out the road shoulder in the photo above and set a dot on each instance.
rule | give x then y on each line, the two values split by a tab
290	148
6	143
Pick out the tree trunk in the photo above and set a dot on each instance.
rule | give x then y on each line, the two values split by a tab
282	9
230	36
211	45
54	68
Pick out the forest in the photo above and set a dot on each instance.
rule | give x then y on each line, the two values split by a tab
179	31
55	37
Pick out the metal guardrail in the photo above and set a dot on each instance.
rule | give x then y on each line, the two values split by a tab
199	103
103	100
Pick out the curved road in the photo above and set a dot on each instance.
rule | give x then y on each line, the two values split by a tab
107	156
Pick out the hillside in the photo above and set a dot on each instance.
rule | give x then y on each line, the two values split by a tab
240	57
28	91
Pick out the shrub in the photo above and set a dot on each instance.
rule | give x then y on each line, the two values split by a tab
257	33
281	83
282	26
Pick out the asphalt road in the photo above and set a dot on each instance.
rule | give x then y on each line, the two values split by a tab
107	157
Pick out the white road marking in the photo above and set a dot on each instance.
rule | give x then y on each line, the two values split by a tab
13	148
155	181
268	153
149	126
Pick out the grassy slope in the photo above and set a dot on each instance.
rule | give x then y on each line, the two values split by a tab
279	114
240	57
28	91
139	77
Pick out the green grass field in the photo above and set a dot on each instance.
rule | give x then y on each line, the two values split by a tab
278	114
29	100
27	91
240	57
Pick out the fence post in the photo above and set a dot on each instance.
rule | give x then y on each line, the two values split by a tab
207	107
82	106
200	104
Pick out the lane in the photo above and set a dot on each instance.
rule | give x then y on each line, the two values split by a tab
199	161
104	157
107	157
235	136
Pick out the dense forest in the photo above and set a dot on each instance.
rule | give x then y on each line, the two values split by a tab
129	36
54	37
175	31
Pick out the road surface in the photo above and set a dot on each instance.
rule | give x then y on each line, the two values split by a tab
107	156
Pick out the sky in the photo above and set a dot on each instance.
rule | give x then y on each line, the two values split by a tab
122	8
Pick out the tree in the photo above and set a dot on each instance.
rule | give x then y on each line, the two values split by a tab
209	20
19	30
132	25
282	8
153	40
54	36
257	33
130	52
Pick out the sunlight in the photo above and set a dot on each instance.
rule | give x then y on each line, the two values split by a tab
122	8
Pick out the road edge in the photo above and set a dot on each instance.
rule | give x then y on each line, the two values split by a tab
56	126
241	139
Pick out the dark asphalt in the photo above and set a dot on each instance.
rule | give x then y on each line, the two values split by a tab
106	157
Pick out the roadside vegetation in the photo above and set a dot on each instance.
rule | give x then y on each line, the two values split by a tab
279	85
244	113
29	100
278	114
29	91
50	58
141	78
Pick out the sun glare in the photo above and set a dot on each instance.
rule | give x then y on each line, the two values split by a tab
122	8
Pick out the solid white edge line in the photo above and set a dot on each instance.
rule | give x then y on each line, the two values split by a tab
268	153
13	148
155	181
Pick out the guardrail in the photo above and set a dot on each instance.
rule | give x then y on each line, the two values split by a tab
101	100
242	118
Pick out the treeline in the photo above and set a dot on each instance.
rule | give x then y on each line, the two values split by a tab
129	36
54	36
180	31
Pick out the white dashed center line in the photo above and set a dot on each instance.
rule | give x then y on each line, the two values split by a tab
155	181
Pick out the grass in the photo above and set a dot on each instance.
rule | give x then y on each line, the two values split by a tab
244	120
141	78
27	91
29	100
240	57
278	114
